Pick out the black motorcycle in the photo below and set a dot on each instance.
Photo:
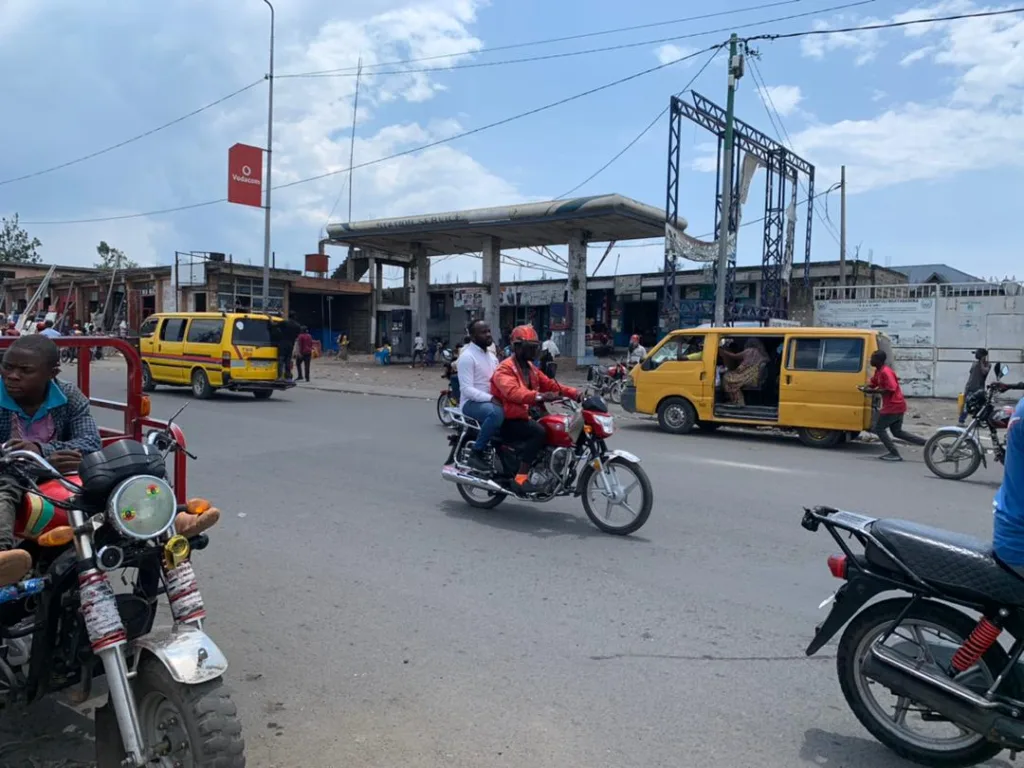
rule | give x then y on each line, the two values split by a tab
929	680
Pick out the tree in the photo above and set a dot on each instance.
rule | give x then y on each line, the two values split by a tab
112	258
15	244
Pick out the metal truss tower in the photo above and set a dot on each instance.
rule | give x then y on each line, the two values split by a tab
782	169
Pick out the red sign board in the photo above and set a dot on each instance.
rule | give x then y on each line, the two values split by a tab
245	175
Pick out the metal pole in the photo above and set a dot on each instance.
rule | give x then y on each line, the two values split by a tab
267	177
352	141
735	70
842	233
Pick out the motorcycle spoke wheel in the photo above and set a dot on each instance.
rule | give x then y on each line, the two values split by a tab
619	499
944	462
929	635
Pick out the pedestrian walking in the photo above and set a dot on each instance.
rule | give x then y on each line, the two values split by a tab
304	345
419	349
894	407
548	352
976	379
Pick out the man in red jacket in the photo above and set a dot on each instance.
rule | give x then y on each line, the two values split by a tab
519	386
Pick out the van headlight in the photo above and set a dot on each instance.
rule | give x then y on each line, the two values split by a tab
142	507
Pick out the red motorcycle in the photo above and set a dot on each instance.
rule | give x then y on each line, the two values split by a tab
575	461
609	380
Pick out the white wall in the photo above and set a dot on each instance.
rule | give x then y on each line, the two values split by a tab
962	324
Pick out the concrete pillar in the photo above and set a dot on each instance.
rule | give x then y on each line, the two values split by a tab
420	290
577	287
491	278
371	273
350	265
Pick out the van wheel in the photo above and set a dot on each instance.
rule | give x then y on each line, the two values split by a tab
201	385
820	438
148	385
677	416
263	394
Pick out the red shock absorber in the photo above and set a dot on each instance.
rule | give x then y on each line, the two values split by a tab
982	638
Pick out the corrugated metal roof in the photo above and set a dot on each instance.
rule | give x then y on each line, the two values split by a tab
930	273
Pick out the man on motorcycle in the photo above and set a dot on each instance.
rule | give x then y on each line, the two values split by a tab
1008	527
637	351
476	367
519	386
42	415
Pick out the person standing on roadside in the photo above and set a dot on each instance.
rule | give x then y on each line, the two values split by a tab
49	331
894	407
975	379
419	349
476	367
304	345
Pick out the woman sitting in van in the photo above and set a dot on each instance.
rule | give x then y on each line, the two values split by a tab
747	371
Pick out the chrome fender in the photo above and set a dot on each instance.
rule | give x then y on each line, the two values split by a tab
959	431
188	653
589	469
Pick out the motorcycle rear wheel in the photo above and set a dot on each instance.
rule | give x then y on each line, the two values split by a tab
479	498
936	451
444	402
890	729
203	717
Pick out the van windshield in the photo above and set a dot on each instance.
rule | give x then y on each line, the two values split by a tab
251	332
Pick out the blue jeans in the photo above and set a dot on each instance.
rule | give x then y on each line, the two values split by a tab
489	415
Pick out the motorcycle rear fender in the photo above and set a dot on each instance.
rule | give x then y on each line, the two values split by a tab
585	474
189	655
959	431
850	598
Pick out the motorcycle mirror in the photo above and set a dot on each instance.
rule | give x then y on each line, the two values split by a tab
1002	370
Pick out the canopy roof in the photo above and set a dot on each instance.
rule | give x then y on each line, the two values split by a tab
602	217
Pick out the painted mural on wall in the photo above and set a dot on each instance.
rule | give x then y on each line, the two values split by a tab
907	322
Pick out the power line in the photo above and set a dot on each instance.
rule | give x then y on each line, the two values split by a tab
507	120
143	135
775	118
550	40
885	25
412	150
642	133
587	51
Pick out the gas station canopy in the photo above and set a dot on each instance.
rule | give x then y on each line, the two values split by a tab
603	218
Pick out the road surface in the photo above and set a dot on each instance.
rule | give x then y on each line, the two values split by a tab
373	620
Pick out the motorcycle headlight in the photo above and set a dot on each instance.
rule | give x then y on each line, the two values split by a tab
142	507
606	423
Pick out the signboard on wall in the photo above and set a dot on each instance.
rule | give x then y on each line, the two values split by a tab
907	322
628	284
469	298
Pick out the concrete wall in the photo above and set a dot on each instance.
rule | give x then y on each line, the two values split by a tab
933	356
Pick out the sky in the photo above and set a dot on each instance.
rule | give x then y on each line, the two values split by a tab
928	120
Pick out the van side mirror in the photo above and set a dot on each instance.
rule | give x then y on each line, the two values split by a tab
1002	369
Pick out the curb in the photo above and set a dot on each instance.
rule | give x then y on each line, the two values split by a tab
345	391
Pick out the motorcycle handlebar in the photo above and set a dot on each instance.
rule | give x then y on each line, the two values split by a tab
42	463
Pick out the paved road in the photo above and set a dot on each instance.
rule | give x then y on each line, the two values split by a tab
372	619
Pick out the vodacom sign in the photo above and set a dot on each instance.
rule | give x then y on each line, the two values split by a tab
245	175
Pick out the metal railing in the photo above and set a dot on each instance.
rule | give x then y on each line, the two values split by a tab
915	291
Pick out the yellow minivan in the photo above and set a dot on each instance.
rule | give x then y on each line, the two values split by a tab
802	379
208	351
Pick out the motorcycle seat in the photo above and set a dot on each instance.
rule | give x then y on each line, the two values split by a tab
960	565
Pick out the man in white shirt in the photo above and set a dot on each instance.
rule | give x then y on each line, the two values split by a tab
476	366
637	352
419	348
550	347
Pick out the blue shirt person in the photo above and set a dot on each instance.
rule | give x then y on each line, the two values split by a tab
1008	530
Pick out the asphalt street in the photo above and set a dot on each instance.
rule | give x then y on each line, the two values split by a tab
372	619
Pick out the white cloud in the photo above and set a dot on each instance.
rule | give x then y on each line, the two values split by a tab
864	44
668	53
785	98
977	125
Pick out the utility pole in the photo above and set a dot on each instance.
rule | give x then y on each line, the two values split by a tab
735	73
352	142
842	233
267	178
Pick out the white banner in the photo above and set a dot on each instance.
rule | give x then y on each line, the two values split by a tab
907	322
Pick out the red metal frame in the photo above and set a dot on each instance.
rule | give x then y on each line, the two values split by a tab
134	421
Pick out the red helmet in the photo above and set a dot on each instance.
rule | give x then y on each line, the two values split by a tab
524	333
634	339
40	326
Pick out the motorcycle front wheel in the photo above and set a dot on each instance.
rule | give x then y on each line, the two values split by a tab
616	390
623	508
930	633
443	403
198	723
947	465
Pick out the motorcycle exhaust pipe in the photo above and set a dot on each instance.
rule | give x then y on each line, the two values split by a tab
453	474
938	693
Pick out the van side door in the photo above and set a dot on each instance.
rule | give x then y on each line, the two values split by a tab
170	350
203	346
678	368
819	383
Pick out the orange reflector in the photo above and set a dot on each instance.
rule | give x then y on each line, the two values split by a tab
198	506
588	429
145	406
57	537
